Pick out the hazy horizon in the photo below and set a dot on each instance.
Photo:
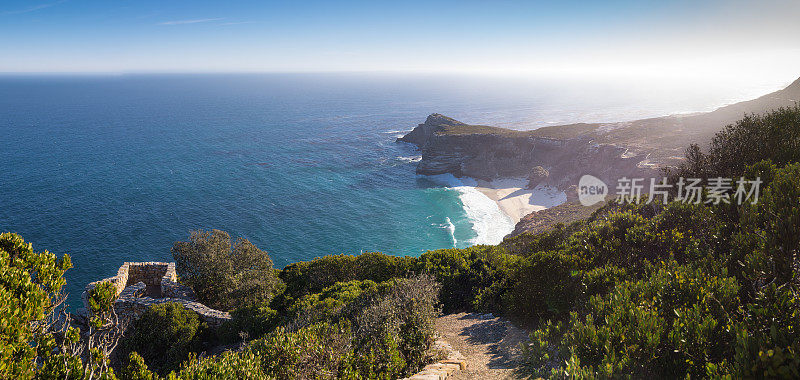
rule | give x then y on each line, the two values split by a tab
708	42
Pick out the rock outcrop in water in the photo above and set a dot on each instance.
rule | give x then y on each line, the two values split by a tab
450	146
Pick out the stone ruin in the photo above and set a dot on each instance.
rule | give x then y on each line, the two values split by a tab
141	284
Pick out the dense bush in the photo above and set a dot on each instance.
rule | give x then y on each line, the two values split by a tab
402	311
251	321
164	336
773	136
355	329
307	277
392	321
224	275
30	283
465	274
37	338
244	365
668	324
528	243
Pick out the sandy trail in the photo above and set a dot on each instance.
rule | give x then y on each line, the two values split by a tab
489	344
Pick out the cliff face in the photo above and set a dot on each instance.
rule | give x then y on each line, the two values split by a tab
450	146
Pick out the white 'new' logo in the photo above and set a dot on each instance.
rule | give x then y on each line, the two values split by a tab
591	190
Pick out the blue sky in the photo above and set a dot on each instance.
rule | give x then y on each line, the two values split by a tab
648	38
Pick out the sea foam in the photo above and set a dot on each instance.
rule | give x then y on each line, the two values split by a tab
489	223
410	159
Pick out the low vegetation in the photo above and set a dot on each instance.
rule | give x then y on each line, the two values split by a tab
164	336
225	275
635	290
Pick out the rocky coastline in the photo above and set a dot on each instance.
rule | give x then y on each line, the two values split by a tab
490	153
557	156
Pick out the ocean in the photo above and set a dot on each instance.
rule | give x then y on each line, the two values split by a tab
115	168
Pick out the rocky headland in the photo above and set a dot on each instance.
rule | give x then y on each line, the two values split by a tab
490	153
558	156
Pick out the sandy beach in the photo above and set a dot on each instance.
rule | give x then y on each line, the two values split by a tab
515	200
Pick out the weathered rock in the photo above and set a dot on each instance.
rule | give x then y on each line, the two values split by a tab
450	146
572	193
424	131
537	176
442	369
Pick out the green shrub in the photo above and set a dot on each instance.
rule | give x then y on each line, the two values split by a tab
331	304
773	136
225	275
134	368
164	336
318	351
466	273
309	277
405	309
392	323
244	365
673	323
768	338
248	322
30	285
527	244
543	287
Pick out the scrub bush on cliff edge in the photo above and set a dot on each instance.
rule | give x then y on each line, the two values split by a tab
37	339
225	275
164	336
355	329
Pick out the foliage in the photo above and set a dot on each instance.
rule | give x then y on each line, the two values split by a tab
136	369
225	275
229	365
773	136
674	321
251	321
465	273
528	243
322	350
307	277
164	336
30	283
36	335
402	311
356	329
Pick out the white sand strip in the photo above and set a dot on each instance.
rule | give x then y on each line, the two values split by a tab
516	201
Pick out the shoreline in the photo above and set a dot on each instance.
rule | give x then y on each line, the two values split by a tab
514	198
495	207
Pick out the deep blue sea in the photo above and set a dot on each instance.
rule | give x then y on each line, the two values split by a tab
116	168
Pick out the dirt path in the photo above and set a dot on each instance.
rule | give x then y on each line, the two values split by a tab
490	345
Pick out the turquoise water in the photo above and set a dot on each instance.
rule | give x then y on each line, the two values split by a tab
116	168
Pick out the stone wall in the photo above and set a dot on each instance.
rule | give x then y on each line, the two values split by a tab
133	302
141	284
151	273
453	361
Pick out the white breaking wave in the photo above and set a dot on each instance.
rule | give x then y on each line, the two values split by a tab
410	158
489	223
397	131
451	228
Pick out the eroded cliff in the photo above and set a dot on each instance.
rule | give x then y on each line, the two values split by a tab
450	146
